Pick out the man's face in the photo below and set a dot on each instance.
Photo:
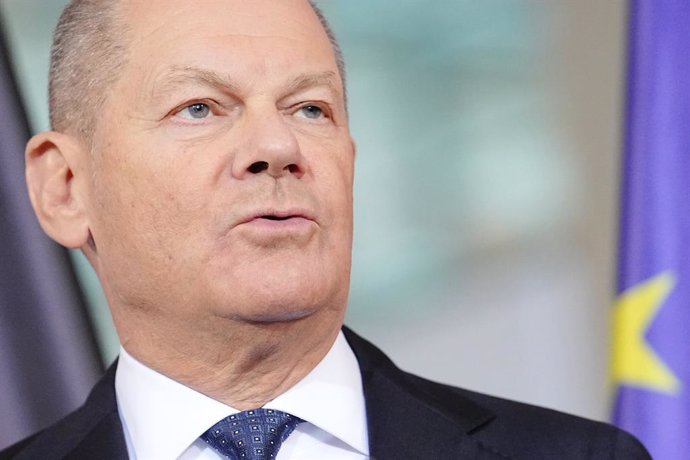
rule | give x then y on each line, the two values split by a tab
223	165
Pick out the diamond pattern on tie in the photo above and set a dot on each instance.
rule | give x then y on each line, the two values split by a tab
255	434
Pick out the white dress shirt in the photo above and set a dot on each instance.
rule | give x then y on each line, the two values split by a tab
163	419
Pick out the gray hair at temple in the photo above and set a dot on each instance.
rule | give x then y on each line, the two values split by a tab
89	47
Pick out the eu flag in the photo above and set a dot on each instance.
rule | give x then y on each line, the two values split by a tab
651	356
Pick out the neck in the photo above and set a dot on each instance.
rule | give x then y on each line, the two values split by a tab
243	365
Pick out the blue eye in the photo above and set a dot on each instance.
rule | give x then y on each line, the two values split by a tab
312	111
196	111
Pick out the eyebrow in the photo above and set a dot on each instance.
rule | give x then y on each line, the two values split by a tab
304	81
179	75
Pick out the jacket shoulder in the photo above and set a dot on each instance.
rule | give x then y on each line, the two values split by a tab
535	432
505	428
92	431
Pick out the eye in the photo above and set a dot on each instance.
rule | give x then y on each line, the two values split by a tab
196	111
313	112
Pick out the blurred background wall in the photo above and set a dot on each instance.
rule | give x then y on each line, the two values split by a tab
486	185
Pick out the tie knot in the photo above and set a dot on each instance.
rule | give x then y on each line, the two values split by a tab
253	434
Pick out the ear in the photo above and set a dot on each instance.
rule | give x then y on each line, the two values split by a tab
55	170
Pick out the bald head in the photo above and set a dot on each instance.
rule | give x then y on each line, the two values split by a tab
90	47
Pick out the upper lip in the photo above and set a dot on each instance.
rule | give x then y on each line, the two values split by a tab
277	213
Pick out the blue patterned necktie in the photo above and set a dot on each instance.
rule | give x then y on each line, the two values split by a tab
251	435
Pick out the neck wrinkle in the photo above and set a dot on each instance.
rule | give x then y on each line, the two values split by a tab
245	366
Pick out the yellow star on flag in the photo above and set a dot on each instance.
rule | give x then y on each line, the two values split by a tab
634	361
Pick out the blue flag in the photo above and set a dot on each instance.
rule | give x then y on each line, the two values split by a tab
651	348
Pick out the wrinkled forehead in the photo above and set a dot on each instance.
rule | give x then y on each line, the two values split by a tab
173	23
250	48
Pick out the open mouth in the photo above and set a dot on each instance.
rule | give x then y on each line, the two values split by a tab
276	217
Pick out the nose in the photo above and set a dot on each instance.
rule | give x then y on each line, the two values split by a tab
268	146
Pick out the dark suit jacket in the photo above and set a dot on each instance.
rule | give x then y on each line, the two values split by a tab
408	418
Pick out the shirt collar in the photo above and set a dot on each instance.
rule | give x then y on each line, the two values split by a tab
331	397
163	417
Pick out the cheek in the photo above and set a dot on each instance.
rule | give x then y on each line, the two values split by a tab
142	211
339	187
332	164
155	200
148	237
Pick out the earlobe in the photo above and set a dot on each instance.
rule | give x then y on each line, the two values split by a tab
54	169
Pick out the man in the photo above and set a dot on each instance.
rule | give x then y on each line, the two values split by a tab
201	159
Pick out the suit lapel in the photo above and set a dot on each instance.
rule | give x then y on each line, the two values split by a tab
105	438
104	441
92	432
412	418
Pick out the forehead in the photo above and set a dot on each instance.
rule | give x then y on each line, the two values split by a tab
267	31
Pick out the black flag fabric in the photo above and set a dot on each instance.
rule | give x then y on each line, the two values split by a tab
48	356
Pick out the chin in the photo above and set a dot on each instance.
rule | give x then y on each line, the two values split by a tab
278	315
279	292
282	305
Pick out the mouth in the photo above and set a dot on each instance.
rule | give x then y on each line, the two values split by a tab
277	227
278	216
